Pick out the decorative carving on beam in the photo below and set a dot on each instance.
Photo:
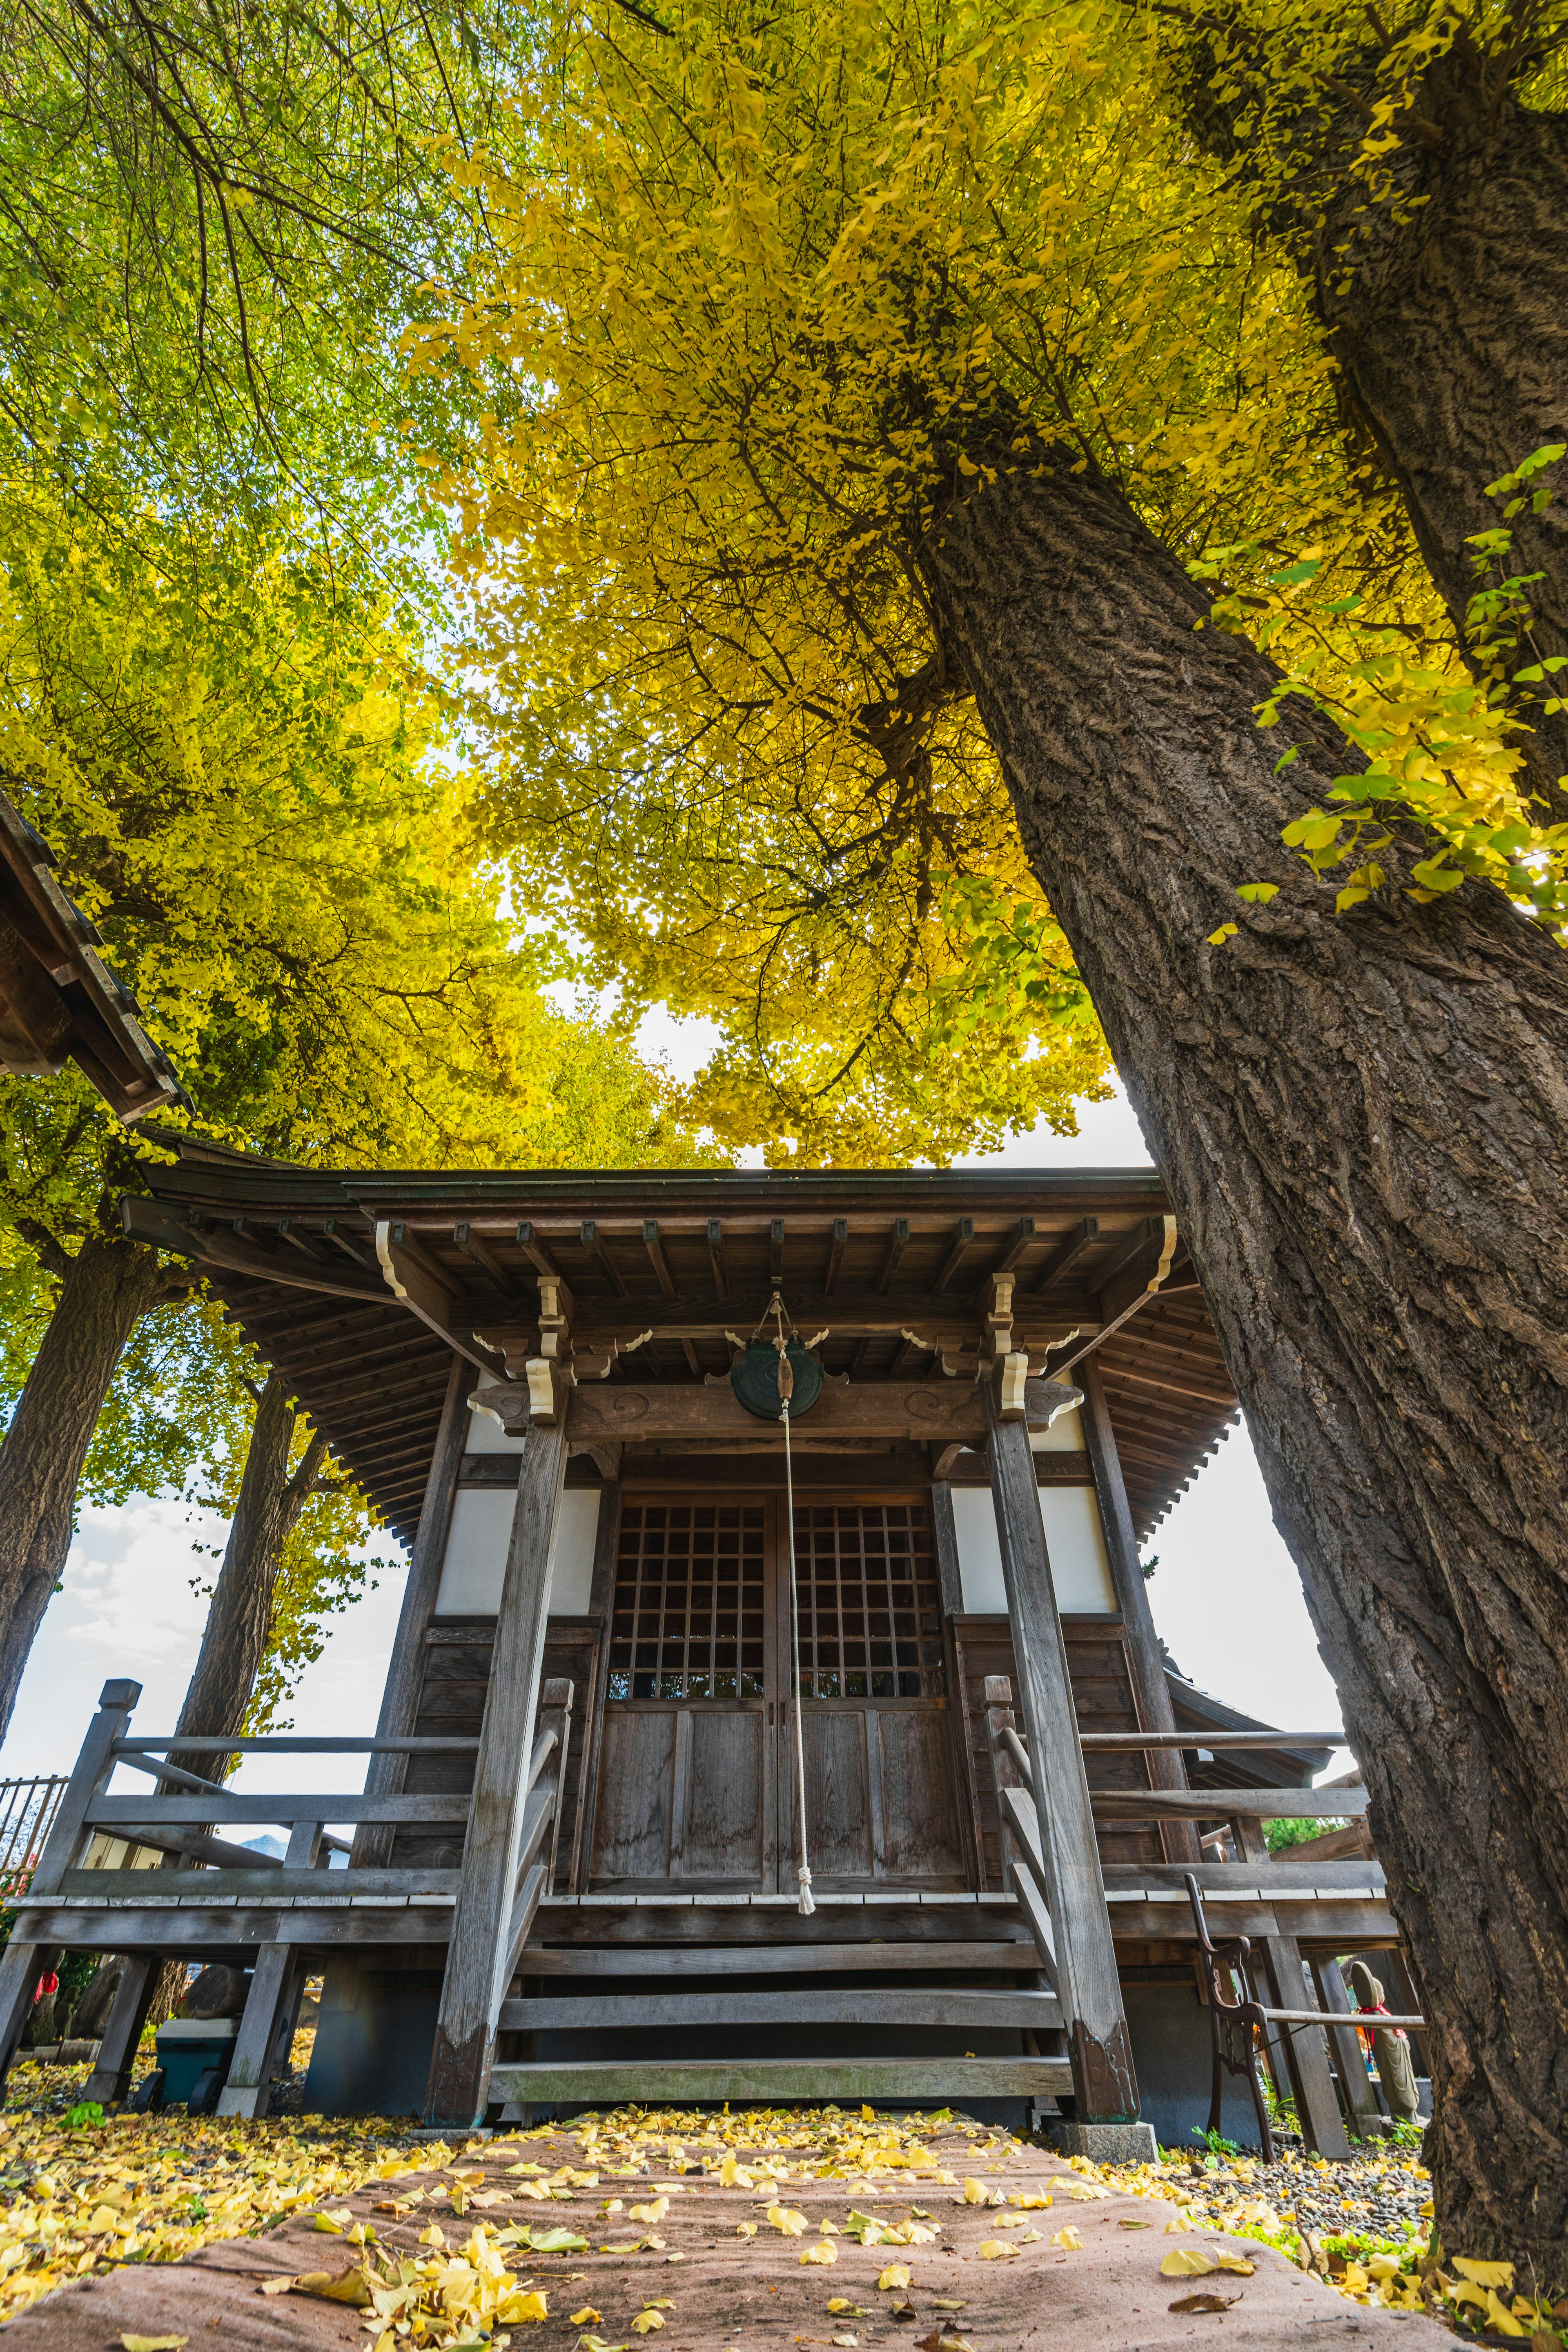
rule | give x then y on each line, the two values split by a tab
932	1413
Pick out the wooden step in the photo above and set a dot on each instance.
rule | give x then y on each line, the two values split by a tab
649	2081
834	2006
772	1960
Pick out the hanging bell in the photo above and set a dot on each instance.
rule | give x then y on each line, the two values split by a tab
755	1377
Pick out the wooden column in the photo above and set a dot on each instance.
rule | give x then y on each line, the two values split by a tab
1358	2097
273	2002
945	1533
111	2078
602	1606
479	1956
1155	1713
404	1673
1105	2089
1306	2049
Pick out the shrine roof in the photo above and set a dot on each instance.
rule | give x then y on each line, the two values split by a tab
358	1284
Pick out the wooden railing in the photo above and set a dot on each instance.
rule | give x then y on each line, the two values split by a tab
27	1809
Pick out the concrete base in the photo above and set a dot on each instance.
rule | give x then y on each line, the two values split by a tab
1107	2142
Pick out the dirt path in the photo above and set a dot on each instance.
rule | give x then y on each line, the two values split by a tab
731	2290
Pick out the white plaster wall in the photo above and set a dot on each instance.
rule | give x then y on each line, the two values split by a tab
1080	1570
475	1563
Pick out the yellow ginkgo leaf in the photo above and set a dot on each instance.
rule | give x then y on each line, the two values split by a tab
1185	2261
1032	2200
1226	2261
586	2317
842	2302
647	2319
1033	2238
1484	2274
433	2236
654	2211
821	2253
976	2193
830	2230
336	2223
1177	2228
516	2309
991	2249
745	2229
786	2220
153	2343
895	2276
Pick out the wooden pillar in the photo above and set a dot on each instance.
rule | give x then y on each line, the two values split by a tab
273	2002
23	1963
406	1671
1153	1693
479	1956
1306	2049
944	1532
110	2078
1105	2088
1356	2094
602	1606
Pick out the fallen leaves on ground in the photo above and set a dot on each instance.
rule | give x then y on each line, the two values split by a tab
152	2188
1204	2302
895	2278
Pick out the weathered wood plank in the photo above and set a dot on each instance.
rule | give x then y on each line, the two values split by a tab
1305	2051
1217	1879
652	2081
217	1933
774	1960
1083	1961
480	1950
1219	1804
1266	1743
907	2006
130	1886
122	1814
938	1318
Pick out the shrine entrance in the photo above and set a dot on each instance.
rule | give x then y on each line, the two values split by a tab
695	1772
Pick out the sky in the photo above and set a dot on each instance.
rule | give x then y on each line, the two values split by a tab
1225	1596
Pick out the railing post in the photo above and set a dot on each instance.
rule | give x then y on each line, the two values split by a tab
997	1691
23	1963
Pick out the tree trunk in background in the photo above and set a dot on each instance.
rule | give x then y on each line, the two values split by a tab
1362	1123
110	1283
1452	331
239	1620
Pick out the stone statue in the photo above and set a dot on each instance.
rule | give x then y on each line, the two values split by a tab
1391	2047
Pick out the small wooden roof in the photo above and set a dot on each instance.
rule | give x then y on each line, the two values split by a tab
359	1285
60	1002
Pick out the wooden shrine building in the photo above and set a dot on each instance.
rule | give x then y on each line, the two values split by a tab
572	1877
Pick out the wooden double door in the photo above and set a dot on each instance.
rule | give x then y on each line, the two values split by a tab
697	1762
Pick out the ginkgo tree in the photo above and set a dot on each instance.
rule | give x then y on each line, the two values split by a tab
884	370
239	767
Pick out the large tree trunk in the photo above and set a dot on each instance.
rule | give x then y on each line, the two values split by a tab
1362	1121
239	1620
108	1285
1451	326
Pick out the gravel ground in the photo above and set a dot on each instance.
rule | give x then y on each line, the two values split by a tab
1382	2196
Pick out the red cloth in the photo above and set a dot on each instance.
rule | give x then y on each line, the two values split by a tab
47	1984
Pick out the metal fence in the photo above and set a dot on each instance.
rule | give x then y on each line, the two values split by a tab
28	1810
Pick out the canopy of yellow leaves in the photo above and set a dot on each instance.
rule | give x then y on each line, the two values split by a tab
758	276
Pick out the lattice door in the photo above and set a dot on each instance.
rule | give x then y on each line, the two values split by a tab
881	1770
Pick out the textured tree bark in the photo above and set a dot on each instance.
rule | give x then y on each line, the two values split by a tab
1447	313
1363	1125
239	1620
108	1285
1451	326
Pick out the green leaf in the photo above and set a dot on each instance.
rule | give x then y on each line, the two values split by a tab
1258	894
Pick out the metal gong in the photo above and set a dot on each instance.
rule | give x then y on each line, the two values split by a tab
754	1376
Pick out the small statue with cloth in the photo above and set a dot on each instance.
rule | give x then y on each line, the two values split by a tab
1390	2046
